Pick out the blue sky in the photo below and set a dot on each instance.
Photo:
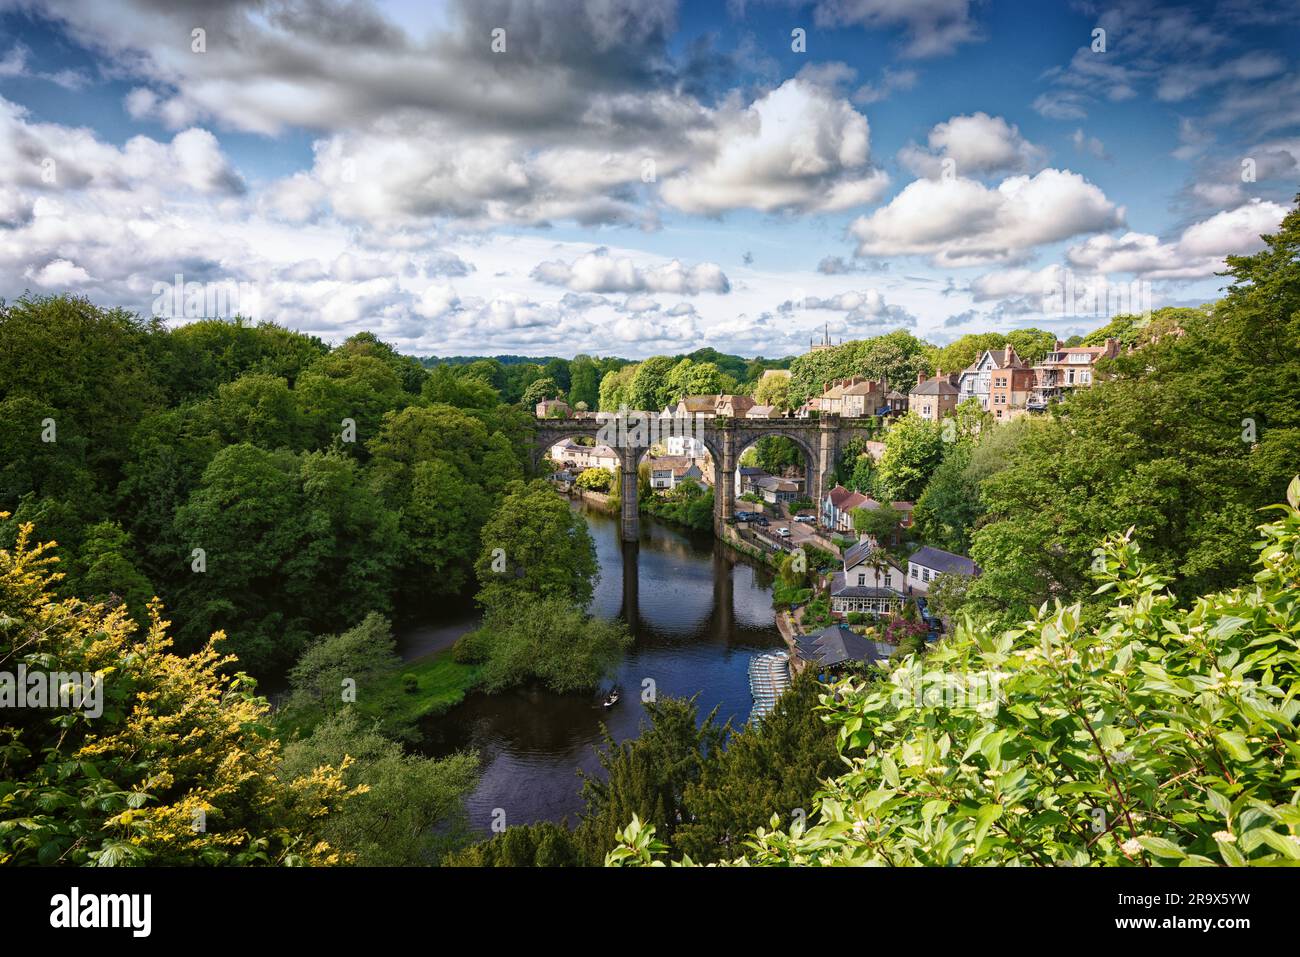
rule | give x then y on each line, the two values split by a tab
641	176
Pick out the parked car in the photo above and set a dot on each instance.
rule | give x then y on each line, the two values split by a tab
806	519
760	520
783	532
744	516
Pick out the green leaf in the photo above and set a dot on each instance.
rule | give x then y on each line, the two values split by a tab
1162	847
1234	742
984	819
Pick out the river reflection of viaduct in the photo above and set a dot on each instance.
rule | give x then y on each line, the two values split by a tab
722	615
726	438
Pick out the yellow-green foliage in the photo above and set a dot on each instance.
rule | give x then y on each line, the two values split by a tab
180	768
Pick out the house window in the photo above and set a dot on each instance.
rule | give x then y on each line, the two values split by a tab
889	581
862	579
914	572
925	574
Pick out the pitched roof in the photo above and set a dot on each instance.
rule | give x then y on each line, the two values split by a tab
665	462
760	412
859	553
698	403
774	483
838	494
840	588
935	386
854	500
872	504
944	562
838	644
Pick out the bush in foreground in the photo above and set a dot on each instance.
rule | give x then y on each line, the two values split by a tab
1162	736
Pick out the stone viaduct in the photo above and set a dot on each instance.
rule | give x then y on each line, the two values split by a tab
725	437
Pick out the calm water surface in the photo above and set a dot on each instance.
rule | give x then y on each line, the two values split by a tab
697	611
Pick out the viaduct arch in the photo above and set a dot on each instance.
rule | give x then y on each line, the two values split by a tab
725	437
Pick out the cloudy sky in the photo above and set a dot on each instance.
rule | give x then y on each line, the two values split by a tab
634	177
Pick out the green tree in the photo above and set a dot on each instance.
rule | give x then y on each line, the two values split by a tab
194	359
544	844
951	507
549	640
277	532
536	544
177	740
441	469
538	390
897	356
595	480
106	565
615	388
348	384
964	351
1031	344
584	381
86	370
692	378
913	450
650	390
409	810
257	408
460	389
648	776
774	391
881	522
775	766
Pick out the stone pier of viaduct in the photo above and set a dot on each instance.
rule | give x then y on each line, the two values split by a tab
726	438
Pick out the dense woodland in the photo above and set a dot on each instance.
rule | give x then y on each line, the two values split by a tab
285	501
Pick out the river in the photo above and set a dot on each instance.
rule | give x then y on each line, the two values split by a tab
697	611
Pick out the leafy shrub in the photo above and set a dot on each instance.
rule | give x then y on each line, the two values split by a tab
1160	736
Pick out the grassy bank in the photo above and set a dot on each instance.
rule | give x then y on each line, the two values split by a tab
396	698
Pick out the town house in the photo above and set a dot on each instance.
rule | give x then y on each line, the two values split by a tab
870	582
1067	368
927	563
578	457
669	471
933	398
999	379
